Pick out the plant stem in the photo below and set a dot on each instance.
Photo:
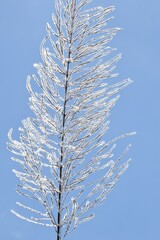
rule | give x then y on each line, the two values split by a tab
63	133
61	160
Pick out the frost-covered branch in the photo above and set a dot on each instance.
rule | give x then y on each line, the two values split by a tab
66	164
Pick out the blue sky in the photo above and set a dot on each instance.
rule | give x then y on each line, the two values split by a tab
133	208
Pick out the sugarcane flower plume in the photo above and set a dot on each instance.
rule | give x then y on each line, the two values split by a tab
65	164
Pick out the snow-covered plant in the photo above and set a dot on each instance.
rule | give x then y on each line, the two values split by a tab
65	163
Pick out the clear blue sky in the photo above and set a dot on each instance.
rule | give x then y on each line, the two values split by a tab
132	211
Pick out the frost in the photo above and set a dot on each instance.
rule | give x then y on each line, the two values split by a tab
65	163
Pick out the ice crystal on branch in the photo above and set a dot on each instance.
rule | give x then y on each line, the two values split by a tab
66	165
